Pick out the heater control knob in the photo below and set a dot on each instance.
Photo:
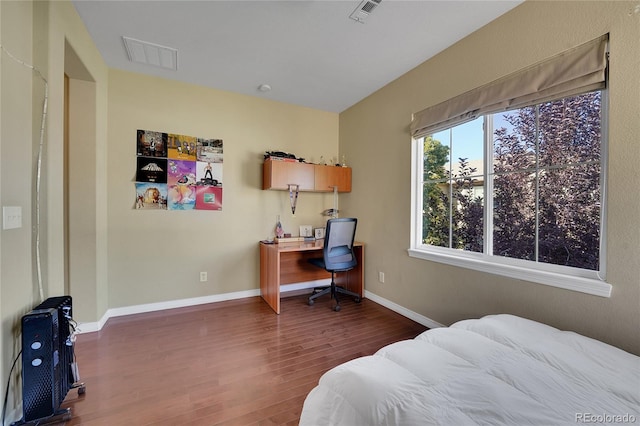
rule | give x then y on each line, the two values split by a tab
36	362
36	345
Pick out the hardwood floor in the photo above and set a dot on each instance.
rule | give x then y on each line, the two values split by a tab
227	363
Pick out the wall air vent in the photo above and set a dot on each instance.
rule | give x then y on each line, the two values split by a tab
363	10
151	54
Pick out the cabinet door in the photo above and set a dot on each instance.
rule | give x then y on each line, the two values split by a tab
326	177
280	174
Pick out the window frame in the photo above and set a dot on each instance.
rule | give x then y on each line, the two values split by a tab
569	278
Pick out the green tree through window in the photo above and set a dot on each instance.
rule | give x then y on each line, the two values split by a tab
544	179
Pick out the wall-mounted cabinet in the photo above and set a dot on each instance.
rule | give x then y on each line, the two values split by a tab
278	174
326	177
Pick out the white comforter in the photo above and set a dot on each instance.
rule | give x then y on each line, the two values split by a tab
498	370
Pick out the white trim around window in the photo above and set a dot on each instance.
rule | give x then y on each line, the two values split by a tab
587	285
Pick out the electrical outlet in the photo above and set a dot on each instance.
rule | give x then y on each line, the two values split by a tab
203	277
381	277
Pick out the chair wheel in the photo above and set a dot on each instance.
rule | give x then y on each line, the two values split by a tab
82	390
357	300
310	302
337	308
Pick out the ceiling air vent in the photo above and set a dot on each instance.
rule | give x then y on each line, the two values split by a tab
363	10
151	54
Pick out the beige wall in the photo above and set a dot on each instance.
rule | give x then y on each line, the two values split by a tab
157	256
146	256
81	191
16	149
137	257
374	134
40	34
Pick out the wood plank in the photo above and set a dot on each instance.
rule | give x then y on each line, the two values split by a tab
226	363
269	273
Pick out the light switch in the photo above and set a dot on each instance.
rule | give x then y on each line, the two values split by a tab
11	217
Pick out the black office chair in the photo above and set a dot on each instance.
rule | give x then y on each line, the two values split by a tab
338	256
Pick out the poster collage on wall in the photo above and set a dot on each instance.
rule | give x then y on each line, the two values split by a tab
178	172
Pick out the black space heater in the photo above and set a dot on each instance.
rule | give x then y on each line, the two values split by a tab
49	370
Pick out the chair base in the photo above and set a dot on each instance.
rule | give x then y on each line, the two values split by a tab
333	290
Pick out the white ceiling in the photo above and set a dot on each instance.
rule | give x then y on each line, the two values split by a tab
309	52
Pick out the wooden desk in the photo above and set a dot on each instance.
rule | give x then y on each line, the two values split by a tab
287	263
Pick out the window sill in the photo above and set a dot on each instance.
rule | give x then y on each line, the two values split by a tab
584	285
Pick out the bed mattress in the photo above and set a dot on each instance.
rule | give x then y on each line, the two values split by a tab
497	370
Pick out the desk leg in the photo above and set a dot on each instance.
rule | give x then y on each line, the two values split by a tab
270	276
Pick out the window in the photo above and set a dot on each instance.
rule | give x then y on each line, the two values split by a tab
519	189
517	192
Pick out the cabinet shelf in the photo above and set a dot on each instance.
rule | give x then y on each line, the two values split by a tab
278	175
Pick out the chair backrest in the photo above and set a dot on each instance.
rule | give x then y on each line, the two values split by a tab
338	244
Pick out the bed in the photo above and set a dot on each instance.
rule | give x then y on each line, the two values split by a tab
497	370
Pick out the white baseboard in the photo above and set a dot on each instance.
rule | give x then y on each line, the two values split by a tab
420	319
90	327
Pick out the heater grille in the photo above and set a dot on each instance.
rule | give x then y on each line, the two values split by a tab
47	359
41	366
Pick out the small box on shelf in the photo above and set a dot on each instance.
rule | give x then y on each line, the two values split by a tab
289	240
